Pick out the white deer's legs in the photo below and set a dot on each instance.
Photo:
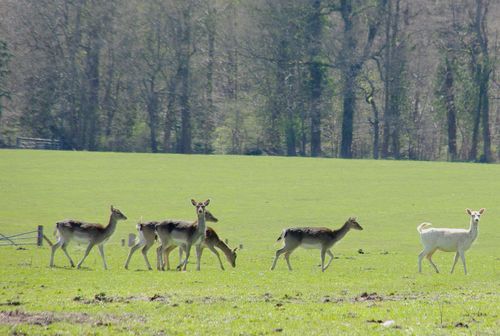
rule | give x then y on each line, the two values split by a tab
429	257
87	251
330	254
454	262
462	256
214	251
63	247
133	249
420	258
101	252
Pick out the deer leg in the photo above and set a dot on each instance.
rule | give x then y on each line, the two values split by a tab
420	258
278	253
429	257
132	251
462	256
166	254
63	247
330	254
101	252
159	259
198	256
287	258
87	251
144	252
181	251
214	251
188	252
54	248
323	252
454	262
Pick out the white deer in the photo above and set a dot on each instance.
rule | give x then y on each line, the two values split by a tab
93	234
313	238
448	240
182	234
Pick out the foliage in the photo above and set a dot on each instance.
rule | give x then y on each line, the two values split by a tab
91	72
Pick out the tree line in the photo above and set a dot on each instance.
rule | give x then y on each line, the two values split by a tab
376	79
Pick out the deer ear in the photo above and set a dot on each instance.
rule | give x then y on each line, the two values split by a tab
469	212
112	209
193	202
235	249
481	210
207	202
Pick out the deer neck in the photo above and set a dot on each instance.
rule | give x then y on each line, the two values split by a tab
224	248
111	226
340	233
201	223
473	230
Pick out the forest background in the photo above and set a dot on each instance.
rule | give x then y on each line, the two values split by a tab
395	79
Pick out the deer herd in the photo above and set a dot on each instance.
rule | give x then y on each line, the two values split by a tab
183	234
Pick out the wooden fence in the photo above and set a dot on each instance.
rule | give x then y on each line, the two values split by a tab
34	237
37	143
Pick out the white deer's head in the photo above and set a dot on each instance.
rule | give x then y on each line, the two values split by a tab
475	215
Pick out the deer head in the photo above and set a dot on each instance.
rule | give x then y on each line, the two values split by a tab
200	206
353	224
475	215
209	217
117	214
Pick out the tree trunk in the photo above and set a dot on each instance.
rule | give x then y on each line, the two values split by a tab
93	89
184	145
451	112
316	75
348	107
209	122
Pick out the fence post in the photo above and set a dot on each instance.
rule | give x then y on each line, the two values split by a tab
39	236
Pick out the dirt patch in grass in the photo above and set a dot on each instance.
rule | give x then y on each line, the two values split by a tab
46	318
365	296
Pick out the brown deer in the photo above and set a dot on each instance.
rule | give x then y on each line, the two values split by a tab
93	234
313	238
211	241
183	234
147	237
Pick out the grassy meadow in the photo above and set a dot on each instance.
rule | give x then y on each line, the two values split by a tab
372	279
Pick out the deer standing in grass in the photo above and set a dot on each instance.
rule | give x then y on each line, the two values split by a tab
211	241
448	240
184	235
93	234
313	238
147	237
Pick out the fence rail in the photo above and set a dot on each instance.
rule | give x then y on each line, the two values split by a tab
23	238
37	143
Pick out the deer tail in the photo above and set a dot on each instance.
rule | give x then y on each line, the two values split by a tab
282	235
423	226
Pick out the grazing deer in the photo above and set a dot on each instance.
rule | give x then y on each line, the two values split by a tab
211	241
183	234
147	237
93	234
313	238
448	240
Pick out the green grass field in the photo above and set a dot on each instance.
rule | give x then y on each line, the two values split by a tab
254	199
